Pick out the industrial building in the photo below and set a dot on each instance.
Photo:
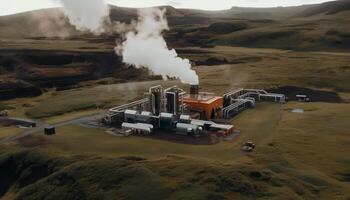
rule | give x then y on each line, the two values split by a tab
173	111
207	105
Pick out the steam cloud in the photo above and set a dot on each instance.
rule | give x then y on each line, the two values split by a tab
145	47
86	15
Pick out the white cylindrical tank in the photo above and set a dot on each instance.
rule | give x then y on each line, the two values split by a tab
187	129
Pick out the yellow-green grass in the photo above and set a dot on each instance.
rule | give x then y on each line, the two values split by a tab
274	67
9	131
328	71
54	44
77	139
312	146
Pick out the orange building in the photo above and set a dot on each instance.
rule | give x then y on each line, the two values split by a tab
208	105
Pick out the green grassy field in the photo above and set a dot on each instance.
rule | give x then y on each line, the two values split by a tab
302	155
293	147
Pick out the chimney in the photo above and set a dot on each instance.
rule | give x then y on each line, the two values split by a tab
194	90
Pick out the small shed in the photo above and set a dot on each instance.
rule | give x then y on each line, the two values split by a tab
50	130
222	129
302	98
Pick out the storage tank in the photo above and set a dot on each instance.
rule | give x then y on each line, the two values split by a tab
187	129
186	119
130	116
145	117
166	121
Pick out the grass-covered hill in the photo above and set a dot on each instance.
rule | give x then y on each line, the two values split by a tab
312	27
29	175
40	49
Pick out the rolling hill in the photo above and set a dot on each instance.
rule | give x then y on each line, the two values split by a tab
312	27
46	35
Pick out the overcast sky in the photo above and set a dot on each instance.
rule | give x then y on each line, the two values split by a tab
14	6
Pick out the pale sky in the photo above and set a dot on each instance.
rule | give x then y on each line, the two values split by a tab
15	6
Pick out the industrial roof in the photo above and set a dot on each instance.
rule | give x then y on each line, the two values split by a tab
183	125
145	113
131	112
301	96
222	126
138	126
206	99
212	124
201	122
273	95
167	115
185	117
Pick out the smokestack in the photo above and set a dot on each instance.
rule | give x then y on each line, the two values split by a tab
194	90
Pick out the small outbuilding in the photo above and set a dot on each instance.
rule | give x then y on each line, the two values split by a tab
303	98
50	130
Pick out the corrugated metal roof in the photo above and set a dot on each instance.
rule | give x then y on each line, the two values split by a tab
138	126
222	126
200	122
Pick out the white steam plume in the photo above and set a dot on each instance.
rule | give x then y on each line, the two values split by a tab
146	47
86	15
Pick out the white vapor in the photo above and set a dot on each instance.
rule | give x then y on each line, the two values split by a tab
146	47
86	15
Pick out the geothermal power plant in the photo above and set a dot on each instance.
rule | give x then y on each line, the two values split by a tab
173	111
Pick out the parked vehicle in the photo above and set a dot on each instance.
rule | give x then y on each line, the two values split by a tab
248	146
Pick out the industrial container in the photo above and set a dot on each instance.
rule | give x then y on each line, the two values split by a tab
138	128
145	117
186	119
187	129
50	130
130	116
166	121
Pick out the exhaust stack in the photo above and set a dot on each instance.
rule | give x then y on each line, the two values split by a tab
194	90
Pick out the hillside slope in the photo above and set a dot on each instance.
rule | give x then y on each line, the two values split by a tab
332	8
312	27
46	35
36	175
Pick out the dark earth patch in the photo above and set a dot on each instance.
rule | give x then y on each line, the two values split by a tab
314	95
